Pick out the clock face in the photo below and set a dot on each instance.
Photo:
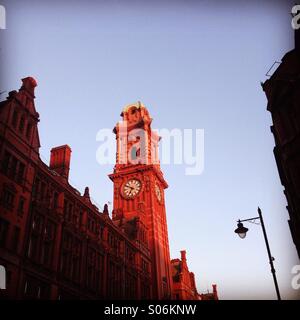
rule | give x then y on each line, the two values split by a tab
131	188
158	192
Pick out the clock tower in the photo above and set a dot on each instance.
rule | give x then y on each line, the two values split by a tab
139	203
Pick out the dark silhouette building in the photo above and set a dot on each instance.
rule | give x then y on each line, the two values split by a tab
54	242
283	94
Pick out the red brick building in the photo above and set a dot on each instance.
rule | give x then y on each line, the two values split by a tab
54	242
283	94
184	286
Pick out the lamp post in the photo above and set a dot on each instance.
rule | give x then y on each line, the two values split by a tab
242	231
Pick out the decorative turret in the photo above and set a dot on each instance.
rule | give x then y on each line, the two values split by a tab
29	85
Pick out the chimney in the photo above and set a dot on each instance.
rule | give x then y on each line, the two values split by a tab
215	292
60	160
183	255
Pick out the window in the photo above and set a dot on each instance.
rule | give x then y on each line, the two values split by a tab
75	219
92	226
114	279
35	237
41	243
28	131
48	243
55	200
95	268
68	210
8	197
21	206
91	268
13	167
14	119
22	124
80	217
4	225
101	232
71	257
20	173
15	239
43	191
5	162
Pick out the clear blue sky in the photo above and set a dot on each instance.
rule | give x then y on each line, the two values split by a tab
194	64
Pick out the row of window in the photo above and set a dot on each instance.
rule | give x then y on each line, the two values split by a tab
41	241
114	243
95	269
41	250
44	193
8	198
72	214
13	167
21	124
71	257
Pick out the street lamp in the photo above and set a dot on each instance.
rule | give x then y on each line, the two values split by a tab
242	231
